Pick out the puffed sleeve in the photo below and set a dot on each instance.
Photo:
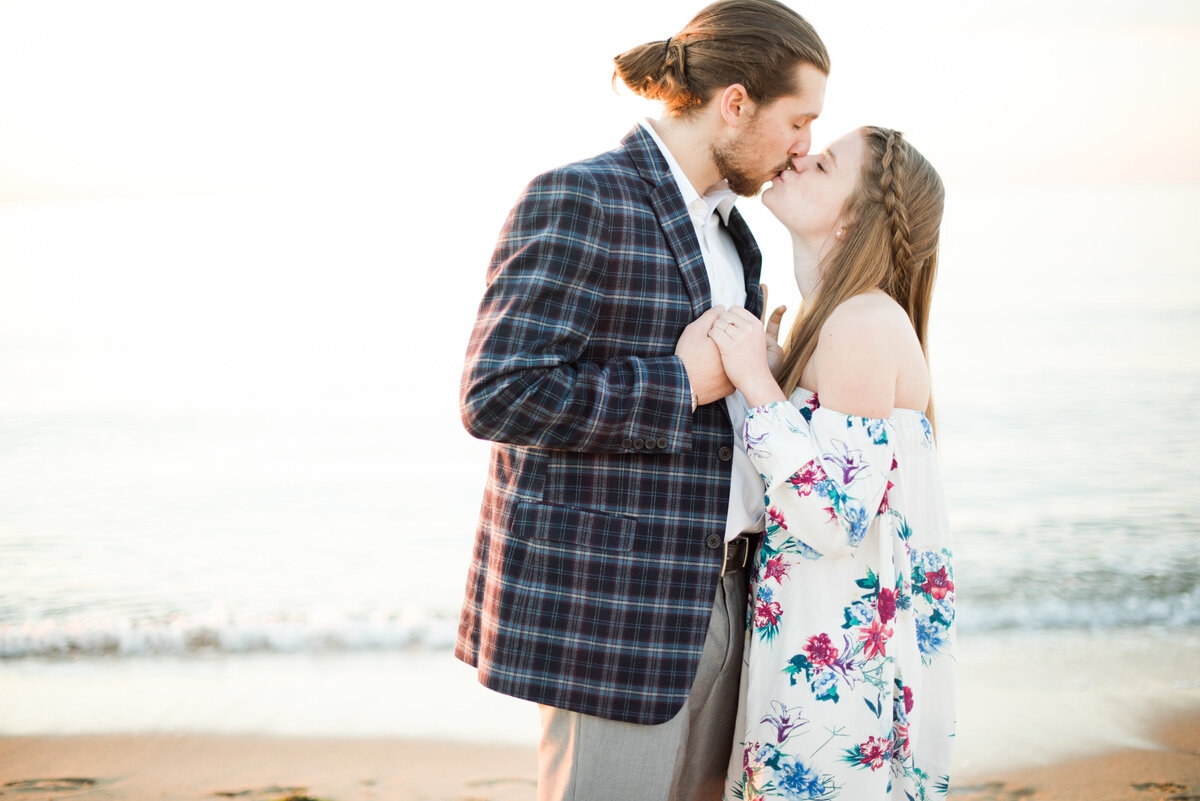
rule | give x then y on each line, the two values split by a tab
826	474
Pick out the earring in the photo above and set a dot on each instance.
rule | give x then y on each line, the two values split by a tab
840	233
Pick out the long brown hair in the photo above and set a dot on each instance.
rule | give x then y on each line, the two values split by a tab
893	220
757	43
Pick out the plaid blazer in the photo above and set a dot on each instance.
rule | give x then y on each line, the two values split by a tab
600	539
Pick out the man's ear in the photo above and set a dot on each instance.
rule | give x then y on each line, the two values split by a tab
735	105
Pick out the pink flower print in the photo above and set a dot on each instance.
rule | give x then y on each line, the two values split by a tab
884	505
813	403
767	614
746	756
875	637
776	569
937	585
908	700
777	517
886	605
901	748
820	650
832	514
804	478
895	465
875	752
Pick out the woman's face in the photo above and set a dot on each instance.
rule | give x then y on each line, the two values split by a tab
809	201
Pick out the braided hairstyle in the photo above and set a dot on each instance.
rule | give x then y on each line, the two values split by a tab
893	220
757	43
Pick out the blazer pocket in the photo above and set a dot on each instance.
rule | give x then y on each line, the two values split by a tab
573	526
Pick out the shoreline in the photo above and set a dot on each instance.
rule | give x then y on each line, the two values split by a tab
206	767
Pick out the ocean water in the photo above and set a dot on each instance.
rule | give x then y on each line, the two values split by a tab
229	426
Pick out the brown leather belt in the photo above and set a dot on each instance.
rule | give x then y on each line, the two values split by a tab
739	551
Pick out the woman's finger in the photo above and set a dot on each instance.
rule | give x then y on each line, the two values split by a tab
773	322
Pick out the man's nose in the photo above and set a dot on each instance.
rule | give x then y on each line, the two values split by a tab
799	150
800	146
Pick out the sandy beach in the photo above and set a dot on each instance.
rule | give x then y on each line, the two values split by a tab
1050	715
203	768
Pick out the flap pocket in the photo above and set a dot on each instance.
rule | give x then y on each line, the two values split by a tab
573	526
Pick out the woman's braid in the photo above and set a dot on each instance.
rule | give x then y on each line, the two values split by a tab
893	202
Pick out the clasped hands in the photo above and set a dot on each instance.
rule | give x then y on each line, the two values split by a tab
727	349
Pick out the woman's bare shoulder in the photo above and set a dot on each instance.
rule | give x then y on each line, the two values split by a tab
859	355
869	320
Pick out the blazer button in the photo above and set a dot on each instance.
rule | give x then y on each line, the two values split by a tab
627	443
662	442
649	443
713	541
725	454
639	443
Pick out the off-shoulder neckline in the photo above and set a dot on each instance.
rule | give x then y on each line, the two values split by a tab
896	410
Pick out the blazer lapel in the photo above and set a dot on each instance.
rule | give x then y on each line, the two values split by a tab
681	234
751	257
672	216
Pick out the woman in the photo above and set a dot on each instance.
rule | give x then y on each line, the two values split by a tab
848	687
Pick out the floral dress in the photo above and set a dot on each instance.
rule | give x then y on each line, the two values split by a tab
848	682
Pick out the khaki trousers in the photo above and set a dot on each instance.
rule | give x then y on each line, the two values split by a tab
585	758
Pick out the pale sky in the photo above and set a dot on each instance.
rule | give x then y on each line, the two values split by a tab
446	100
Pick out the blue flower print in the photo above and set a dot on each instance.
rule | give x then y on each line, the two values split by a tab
824	686
797	779
930	561
859	613
943	611
931	637
808	552
928	429
856	520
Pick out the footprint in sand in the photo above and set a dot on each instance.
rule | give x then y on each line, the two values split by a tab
257	792
1168	787
67	785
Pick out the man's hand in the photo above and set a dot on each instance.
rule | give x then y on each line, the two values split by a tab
702	360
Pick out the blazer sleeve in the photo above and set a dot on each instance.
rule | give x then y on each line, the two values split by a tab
525	381
826	475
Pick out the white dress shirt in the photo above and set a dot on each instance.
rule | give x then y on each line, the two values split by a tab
727	284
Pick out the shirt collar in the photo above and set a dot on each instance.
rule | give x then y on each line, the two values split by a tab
719	199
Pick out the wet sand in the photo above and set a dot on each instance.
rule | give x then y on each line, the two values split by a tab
204	768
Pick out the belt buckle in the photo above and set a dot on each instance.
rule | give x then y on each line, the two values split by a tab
743	543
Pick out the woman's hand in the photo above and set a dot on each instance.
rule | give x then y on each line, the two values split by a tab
774	349
742	341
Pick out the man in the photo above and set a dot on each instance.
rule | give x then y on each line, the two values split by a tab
608	582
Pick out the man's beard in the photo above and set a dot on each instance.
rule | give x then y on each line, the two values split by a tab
734	160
